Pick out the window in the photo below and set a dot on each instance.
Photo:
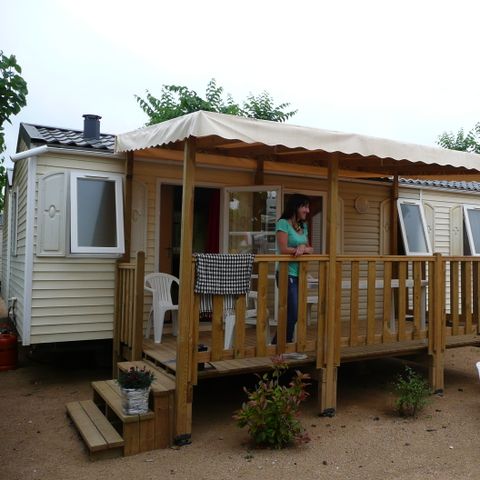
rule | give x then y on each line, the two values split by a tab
471	215
96	213
413	227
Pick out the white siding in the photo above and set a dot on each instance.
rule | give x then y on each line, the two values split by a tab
73	295
17	262
5	252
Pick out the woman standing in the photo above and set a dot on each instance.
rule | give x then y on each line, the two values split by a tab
292	239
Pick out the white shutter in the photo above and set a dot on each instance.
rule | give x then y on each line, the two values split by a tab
139	217
51	217
456	230
430	221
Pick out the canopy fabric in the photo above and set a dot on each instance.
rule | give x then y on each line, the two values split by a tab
250	131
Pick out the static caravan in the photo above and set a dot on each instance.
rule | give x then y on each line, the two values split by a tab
377	283
63	233
86	222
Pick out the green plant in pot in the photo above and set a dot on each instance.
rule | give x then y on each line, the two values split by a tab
135	388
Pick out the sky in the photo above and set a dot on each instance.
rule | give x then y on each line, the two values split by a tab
403	70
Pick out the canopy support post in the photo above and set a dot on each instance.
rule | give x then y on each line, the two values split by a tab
394	218
183	379
328	365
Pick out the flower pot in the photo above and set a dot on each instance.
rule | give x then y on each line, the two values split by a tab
135	401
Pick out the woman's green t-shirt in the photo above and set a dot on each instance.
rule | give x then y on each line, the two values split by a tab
294	240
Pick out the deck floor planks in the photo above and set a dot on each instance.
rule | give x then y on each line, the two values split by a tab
165	352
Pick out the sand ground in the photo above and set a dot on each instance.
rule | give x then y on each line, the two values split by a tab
365	440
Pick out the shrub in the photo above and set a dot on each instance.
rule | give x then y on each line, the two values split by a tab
272	409
135	378
413	392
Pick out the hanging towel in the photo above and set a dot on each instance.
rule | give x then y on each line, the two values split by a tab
222	274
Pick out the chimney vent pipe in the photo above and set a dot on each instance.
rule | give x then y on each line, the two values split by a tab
91	126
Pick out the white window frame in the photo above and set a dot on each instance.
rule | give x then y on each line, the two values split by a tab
468	228
403	201
118	179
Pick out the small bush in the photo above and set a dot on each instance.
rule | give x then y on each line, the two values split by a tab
272	409
413	392
135	378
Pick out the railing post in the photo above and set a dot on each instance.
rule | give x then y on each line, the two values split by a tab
137	343
437	327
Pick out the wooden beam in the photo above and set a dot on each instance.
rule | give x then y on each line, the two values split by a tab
394	218
183	392
127	213
259	173
328	373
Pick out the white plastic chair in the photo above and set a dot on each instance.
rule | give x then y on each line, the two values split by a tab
160	286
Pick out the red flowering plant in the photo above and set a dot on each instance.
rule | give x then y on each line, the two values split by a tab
272	410
135	378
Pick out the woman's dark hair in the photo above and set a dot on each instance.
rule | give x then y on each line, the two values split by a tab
294	202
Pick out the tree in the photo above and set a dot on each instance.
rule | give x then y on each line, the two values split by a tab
459	141
13	96
179	100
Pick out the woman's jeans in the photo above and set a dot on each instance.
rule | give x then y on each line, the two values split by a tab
292	308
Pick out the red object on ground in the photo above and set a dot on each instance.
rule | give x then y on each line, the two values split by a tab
8	351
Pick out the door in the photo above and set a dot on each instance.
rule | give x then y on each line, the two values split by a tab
206	224
250	214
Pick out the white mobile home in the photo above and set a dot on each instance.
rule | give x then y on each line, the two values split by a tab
60	252
63	232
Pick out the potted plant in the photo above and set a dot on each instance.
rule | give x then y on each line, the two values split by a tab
135	388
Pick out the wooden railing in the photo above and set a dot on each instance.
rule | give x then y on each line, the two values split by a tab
380	300
128	324
462	294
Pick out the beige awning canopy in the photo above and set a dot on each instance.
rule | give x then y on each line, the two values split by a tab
232	136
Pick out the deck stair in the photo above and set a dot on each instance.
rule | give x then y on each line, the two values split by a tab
101	439
162	401
108	432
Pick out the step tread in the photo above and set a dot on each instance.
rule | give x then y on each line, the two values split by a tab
94	428
110	392
162	383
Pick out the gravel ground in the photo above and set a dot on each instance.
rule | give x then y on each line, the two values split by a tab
364	440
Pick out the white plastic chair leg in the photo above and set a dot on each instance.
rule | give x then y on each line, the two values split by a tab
148	329
229	327
158	325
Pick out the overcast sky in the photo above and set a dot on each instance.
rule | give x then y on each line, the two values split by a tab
404	70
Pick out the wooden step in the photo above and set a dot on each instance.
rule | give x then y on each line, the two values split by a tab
137	430
163	401
101	439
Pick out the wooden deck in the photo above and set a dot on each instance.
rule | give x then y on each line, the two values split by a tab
164	354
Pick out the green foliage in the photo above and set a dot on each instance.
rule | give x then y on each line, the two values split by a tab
413	392
469	142
272	409
136	378
13	97
178	100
